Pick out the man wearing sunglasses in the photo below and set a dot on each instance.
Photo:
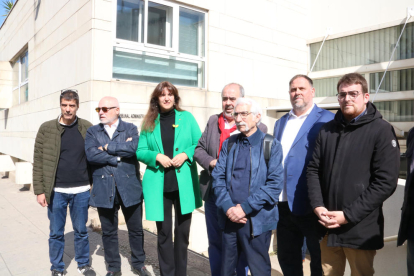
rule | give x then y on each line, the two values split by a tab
61	177
110	148
354	169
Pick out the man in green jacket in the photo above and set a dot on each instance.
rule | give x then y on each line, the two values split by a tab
61	177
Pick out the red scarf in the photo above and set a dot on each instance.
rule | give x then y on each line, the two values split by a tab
225	133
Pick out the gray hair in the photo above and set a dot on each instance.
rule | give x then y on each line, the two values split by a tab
233	83
254	106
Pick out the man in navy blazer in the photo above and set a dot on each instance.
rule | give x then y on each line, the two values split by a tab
297	132
110	149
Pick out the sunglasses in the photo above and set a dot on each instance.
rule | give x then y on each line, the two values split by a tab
104	109
68	90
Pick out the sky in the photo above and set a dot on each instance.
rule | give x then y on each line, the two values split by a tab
2	11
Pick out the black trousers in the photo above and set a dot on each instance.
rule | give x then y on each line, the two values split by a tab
109	222
291	230
173	256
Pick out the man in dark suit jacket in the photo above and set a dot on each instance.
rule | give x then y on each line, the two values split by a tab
407	217
218	129
297	132
110	149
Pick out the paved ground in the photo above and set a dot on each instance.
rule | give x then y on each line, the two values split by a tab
24	232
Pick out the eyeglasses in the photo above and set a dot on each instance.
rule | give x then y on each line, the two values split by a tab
352	95
243	114
68	90
104	109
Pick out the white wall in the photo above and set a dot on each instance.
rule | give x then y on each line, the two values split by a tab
354	14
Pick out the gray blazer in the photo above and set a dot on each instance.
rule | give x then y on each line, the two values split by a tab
207	150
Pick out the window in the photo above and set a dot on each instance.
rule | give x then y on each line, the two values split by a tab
159	40
364	48
396	111
398	80
21	79
326	87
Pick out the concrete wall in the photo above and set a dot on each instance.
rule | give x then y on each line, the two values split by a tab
58	37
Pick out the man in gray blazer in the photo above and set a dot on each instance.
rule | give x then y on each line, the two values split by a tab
218	129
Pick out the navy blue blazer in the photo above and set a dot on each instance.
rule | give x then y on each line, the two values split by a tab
266	182
106	170
296	162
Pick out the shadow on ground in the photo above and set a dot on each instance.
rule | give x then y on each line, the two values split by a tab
198	265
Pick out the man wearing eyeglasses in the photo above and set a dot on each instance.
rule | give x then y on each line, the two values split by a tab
297	132
354	169
61	177
110	148
247	190
219	128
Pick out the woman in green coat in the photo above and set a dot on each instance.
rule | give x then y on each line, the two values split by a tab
168	138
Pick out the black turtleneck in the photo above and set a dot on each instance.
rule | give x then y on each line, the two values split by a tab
167	120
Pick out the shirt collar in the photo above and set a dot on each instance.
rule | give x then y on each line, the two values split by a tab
114	125
359	116
254	138
76	119
291	113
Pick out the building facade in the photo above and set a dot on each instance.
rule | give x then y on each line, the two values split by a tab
123	48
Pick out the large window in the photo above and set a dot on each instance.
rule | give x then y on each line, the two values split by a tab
364	48
159	40
398	80
396	111
21	79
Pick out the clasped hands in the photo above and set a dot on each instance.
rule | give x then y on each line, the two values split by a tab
236	214
330	219
177	161
105	148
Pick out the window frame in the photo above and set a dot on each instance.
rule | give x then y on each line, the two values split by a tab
20	82
172	52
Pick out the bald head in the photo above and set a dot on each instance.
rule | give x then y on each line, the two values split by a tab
109	101
111	105
235	87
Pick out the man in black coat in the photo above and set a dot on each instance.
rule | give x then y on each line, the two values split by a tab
354	170
406	232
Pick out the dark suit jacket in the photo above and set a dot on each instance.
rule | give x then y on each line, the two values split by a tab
207	150
296	162
106	170
407	215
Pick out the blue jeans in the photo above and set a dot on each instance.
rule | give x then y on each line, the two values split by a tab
215	234
57	211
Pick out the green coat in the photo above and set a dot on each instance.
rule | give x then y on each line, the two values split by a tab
186	138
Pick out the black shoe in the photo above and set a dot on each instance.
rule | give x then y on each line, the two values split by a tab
56	273
111	273
141	272
86	270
